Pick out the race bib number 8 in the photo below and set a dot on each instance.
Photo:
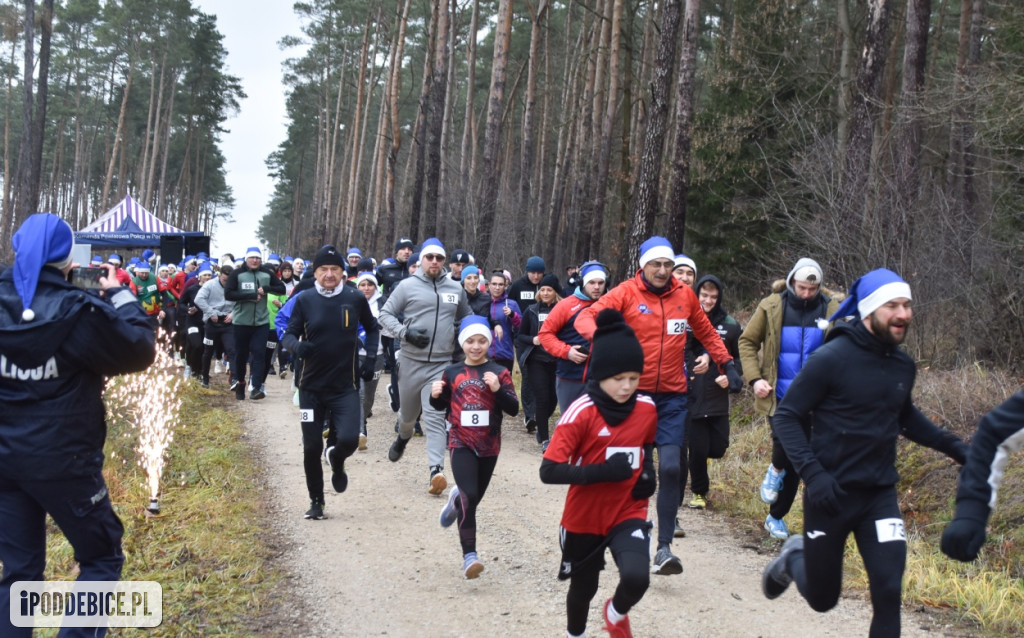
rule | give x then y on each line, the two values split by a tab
890	529
306	416
632	452
676	326
476	418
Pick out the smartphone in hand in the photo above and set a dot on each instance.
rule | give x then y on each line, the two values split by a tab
88	277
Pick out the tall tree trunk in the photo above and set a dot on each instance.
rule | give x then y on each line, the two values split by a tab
420	132
909	150
643	207
607	127
118	135
25	202
435	126
864	116
488	200
394	88
526	160
844	95
676	205
150	137
344	232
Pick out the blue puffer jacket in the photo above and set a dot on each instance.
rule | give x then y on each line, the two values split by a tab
803	331
52	369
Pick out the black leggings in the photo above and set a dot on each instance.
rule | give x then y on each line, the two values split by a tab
341	410
472	474
708	439
790	482
586	552
873	517
542	382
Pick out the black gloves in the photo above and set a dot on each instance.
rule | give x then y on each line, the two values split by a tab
735	380
647	482
616	468
966	534
303	348
367	368
417	337
823	492
963	538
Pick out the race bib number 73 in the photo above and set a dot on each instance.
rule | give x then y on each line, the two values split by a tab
890	529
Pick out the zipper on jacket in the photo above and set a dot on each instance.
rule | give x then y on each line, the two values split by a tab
437	311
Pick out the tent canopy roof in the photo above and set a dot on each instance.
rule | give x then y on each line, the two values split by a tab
128	225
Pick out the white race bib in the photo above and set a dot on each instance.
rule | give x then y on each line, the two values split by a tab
248	285
542	316
633	452
890	530
151	288
271	345
526	294
207	341
476	418
194	330
676	326
305	415
449	298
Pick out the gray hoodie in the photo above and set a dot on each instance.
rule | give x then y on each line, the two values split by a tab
210	300
435	305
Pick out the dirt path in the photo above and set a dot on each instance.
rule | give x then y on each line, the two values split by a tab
381	565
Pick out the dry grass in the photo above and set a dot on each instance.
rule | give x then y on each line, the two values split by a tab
206	548
987	594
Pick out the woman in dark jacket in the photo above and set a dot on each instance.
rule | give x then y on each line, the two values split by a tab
539	364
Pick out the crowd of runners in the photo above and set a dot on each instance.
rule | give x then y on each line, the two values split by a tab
640	373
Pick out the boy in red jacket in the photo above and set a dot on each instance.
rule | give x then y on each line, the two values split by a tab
602	447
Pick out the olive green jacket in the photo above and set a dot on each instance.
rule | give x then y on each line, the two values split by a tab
763	333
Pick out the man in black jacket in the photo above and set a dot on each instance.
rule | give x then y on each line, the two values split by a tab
390	275
524	292
855	393
324	331
57	345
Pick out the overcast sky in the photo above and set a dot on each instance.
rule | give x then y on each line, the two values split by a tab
252	30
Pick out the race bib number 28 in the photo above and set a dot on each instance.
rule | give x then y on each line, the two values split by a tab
676	326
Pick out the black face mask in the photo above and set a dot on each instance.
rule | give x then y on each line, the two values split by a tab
611	410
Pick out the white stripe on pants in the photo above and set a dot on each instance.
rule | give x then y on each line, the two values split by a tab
414	379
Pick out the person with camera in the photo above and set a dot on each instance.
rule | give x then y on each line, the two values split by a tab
323	330
58	344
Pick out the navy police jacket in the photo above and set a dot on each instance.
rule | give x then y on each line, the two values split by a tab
52	369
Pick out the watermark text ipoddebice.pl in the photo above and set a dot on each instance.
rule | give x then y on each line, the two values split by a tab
86	603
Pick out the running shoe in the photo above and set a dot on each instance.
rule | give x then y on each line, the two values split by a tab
417	430
776	527
362	441
258	393
205	384
284	373
531	425
619	629
544	446
698	502
437	481
449	514
240	391
772	484
776	577
678	531
234	384
666	563
316	511
393	397
471	566
218	368
397	449
339	480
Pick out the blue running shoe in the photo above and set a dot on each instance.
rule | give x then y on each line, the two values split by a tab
772	484
448	513
776	527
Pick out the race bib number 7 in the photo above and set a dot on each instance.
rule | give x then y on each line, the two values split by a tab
890	529
632	452
476	418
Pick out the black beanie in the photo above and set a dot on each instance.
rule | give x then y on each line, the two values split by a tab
615	348
328	256
551	280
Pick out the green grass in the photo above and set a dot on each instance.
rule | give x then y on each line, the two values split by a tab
207	546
